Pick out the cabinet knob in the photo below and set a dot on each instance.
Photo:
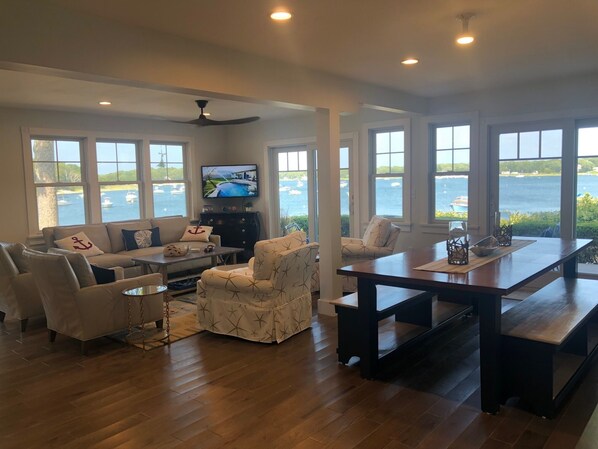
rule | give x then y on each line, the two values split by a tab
243	220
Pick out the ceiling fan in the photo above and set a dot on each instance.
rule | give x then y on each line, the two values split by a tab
202	120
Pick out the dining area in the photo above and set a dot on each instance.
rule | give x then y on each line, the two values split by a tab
536	349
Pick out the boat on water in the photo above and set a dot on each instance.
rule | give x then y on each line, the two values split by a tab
131	197
284	189
460	204
106	202
294	192
395	184
63	202
158	189
344	184
299	184
178	190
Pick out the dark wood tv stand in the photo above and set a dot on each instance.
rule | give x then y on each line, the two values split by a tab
236	229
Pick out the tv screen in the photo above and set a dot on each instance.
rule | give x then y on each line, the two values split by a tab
229	181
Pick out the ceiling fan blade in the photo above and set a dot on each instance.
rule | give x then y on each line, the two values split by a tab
238	121
197	121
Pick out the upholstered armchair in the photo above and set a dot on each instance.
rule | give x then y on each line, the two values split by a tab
379	240
267	301
19	297
78	307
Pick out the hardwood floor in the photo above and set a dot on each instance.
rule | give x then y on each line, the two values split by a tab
210	391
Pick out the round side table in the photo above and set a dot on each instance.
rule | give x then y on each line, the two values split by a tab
142	335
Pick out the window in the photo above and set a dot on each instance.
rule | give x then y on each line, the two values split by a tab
450	171
82	177
169	185
388	182
587	190
293	188
529	180
118	177
58	181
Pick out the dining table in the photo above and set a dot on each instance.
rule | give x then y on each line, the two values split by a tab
483	282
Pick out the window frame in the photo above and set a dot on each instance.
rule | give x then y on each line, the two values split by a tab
433	165
88	140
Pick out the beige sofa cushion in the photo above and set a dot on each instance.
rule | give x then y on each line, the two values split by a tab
95	232
112	260
171	228
265	252
116	235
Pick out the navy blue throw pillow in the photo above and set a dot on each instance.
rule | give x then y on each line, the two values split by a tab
143	238
103	275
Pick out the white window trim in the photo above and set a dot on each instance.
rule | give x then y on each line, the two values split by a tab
89	163
367	168
478	185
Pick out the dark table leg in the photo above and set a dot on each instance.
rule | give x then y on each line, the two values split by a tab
489	308
570	268
368	327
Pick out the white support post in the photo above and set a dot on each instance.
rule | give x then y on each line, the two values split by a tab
328	141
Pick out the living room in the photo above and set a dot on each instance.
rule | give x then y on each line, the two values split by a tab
300	107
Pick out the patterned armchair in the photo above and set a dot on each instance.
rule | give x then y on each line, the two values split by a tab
267	301
379	240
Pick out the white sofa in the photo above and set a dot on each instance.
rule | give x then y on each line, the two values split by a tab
108	237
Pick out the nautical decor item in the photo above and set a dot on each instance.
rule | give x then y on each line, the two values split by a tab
457	244
503	229
175	250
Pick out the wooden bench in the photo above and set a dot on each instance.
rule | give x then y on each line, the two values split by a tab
415	310
548	341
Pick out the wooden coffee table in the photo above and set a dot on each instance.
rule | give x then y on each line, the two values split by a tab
162	262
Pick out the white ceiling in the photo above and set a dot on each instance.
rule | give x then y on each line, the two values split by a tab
518	41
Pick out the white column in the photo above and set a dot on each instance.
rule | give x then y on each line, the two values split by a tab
328	141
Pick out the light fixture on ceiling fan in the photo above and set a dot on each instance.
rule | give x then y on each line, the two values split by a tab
465	37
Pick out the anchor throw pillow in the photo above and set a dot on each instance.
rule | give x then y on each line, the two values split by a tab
79	243
142	238
197	234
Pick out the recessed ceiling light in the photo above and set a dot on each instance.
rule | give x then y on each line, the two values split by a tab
409	61
105	103
281	15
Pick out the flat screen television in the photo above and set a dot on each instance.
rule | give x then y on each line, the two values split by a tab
229	181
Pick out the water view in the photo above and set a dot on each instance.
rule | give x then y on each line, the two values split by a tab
519	194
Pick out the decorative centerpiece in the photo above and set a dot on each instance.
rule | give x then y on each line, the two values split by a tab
503	229
485	247
173	250
457	244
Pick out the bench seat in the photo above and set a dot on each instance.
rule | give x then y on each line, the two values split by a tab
416	314
547	343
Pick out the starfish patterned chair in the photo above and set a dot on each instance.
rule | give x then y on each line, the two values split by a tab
379	240
269	300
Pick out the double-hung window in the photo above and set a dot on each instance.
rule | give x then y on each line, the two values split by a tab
389	155
118	177
58	181
84	177
450	170
169	184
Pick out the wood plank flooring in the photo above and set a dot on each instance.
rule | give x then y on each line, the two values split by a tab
210	391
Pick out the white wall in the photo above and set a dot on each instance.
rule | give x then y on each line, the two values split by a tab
208	146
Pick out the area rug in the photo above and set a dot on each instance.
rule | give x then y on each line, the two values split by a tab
183	323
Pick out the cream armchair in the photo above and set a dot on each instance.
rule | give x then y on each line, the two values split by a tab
78	307
379	240
19	297
267	301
